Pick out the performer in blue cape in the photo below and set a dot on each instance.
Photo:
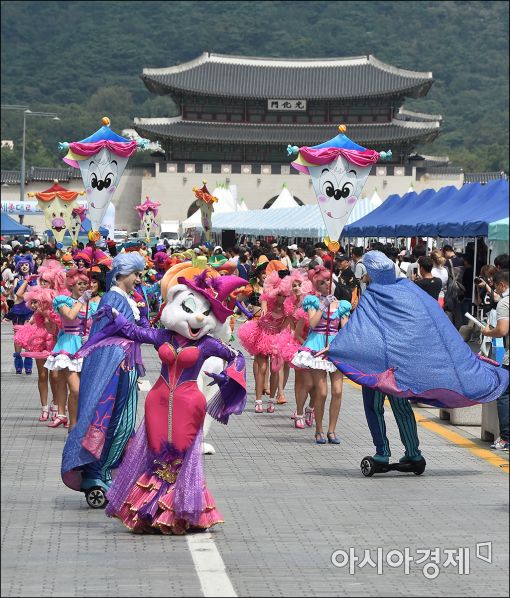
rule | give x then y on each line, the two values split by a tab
108	388
399	343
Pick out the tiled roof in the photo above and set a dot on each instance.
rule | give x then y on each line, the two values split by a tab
276	78
37	173
11	177
483	177
203	131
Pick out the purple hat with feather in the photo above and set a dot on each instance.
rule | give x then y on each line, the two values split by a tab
216	290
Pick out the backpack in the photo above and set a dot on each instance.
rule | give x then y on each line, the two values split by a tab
454	290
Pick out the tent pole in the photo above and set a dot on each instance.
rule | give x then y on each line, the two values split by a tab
474	275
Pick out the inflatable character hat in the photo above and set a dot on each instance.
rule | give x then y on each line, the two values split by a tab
215	290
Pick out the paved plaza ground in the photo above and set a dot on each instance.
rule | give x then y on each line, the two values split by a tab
288	505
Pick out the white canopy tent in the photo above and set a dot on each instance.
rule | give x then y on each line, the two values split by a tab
284	200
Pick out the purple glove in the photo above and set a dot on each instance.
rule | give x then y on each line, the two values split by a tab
86	296
218	379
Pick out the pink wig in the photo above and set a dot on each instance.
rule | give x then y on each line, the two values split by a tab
53	272
317	274
38	338
73	276
272	288
44	298
291	303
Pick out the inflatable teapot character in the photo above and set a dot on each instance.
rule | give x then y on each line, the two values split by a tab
101	158
57	204
339	169
148	211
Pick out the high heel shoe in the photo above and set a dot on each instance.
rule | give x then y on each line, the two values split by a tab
319	438
332	439
309	416
53	411
280	399
44	415
58	421
299	422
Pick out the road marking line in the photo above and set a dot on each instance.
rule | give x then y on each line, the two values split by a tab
487	455
209	565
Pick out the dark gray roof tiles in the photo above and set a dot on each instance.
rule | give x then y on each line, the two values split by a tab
272	78
10	177
240	133
483	177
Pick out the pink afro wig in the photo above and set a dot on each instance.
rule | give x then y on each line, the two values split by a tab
54	274
317	274
293	302
38	338
272	288
44	298
73	276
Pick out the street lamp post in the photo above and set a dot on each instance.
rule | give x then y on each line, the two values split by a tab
26	112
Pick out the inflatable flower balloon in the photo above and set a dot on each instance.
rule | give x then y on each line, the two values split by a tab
339	169
57	204
148	211
101	158
205	203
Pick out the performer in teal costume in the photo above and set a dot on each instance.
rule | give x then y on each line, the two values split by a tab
108	388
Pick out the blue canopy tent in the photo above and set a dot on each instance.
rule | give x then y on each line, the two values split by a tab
367	226
453	205
10	227
427	201
493	207
449	212
405	215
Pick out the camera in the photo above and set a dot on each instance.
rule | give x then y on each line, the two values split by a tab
478	280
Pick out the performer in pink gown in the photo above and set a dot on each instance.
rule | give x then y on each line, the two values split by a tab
160	484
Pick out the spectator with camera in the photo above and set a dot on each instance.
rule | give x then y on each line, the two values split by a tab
501	286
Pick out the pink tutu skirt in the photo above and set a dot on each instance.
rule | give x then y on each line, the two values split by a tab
281	346
164	519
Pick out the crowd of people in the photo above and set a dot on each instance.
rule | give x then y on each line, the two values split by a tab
291	303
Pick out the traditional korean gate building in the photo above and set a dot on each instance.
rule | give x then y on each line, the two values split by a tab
238	114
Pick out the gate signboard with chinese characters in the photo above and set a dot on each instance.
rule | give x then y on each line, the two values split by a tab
287	105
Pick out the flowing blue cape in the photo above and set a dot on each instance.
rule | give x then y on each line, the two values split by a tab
399	341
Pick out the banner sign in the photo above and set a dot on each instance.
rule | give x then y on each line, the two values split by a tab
287	105
26	207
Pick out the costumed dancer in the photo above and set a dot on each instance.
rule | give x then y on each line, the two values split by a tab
38	337
20	312
393	317
325	317
160	483
263	338
73	313
52	275
108	392
297	286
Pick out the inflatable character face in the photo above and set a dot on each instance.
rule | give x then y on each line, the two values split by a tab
188	313
337	186
101	174
57	215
